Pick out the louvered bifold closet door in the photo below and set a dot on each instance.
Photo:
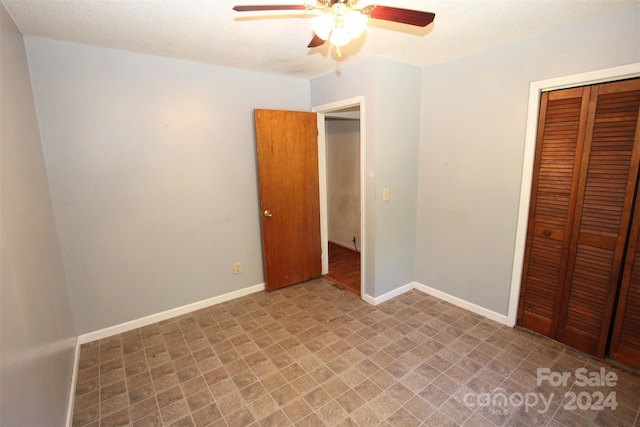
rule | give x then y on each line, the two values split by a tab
558	157
603	212
625	339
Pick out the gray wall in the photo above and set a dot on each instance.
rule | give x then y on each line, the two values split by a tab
397	147
37	338
391	114
152	168
471	146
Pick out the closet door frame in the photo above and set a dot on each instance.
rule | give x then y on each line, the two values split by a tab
535	92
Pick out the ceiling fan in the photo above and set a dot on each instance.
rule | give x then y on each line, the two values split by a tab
341	21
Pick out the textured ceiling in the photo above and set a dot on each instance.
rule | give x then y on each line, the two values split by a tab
275	42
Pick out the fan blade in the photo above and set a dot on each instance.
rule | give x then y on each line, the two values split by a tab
269	7
316	41
403	16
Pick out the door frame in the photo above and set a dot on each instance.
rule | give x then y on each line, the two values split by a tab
322	111
535	92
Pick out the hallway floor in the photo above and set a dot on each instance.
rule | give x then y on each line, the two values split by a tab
315	355
344	267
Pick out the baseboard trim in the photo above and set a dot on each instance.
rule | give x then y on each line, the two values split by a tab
74	383
387	296
178	311
500	318
369	299
459	302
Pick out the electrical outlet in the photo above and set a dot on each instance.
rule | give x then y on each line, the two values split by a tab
385	194
237	268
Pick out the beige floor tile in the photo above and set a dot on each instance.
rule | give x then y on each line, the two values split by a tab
312	354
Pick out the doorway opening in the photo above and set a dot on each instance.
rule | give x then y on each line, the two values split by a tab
340	152
342	143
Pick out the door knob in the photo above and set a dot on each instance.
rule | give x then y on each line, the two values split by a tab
267	214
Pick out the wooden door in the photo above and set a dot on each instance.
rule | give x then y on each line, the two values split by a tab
606	194
586	171
625	338
557	162
287	156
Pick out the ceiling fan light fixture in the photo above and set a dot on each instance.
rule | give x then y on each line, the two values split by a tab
322	25
340	25
356	23
340	36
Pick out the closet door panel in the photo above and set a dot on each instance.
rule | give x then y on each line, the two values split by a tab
625	340
606	194
555	180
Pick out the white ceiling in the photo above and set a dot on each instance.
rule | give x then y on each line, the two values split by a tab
275	42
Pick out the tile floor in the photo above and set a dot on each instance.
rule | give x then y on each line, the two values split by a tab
315	355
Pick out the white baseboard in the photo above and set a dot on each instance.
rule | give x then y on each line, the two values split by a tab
386	297
369	299
157	317
459	302
74	382
500	318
